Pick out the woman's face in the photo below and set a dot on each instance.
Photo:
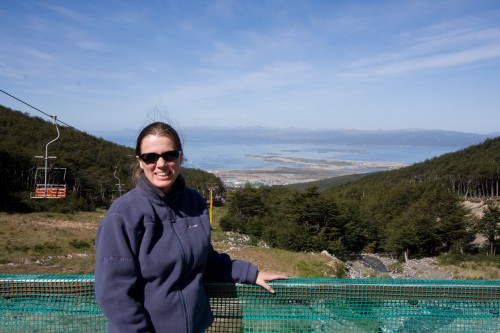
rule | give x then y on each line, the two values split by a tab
161	174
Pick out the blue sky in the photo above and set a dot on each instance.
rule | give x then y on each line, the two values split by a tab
109	65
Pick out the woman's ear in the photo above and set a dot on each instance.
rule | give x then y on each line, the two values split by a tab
139	161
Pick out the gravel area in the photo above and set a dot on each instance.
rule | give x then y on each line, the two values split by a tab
425	268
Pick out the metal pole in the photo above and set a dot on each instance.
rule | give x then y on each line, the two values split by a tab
47	156
211	206
119	183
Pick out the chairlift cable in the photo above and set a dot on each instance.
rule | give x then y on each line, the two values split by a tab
31	106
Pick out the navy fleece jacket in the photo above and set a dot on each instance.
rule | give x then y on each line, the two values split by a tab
153	253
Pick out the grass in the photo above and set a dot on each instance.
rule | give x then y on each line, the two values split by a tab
48	243
472	267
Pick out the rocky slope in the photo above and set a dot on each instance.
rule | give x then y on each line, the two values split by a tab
371	265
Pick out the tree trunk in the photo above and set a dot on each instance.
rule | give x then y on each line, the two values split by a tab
493	247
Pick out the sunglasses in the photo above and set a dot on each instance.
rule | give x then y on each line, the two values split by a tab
168	156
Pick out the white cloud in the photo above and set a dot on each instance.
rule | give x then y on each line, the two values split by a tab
451	46
222	8
38	54
91	45
66	12
440	61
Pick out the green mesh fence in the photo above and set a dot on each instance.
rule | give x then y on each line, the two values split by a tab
65	303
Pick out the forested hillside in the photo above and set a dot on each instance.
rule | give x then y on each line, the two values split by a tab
94	167
414	211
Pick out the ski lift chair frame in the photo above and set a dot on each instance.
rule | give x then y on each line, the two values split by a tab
48	190
52	190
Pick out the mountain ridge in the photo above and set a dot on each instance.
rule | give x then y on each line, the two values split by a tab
258	134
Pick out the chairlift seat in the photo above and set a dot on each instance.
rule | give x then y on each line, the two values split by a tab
53	192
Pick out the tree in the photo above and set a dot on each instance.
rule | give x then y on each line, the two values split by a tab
317	217
489	226
246	208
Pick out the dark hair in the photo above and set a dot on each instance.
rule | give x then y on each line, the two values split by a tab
158	129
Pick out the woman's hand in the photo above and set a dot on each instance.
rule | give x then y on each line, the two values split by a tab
264	277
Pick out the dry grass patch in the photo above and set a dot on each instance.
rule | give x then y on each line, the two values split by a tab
42	243
474	271
292	264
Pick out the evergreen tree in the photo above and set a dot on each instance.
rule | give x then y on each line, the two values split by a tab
489	226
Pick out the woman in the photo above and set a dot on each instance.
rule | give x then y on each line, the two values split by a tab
153	248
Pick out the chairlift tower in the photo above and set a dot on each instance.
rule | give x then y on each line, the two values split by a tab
119	185
211	201
55	190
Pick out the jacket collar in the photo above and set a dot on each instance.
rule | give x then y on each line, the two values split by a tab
153	192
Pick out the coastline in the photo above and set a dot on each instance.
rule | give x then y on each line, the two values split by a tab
307	170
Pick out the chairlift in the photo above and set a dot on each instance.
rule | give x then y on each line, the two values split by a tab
50	183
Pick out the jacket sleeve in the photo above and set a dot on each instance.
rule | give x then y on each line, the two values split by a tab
118	293
220	267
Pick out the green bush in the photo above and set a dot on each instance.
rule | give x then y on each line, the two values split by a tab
47	248
312	270
79	244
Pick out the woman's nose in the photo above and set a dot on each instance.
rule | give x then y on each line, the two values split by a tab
161	161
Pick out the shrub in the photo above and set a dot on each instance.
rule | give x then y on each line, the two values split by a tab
79	244
47	248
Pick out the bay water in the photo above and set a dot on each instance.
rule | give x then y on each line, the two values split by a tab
214	156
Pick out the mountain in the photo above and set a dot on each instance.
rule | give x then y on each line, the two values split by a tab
410	137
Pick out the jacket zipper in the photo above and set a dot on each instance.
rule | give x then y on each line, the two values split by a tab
186	317
183	254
